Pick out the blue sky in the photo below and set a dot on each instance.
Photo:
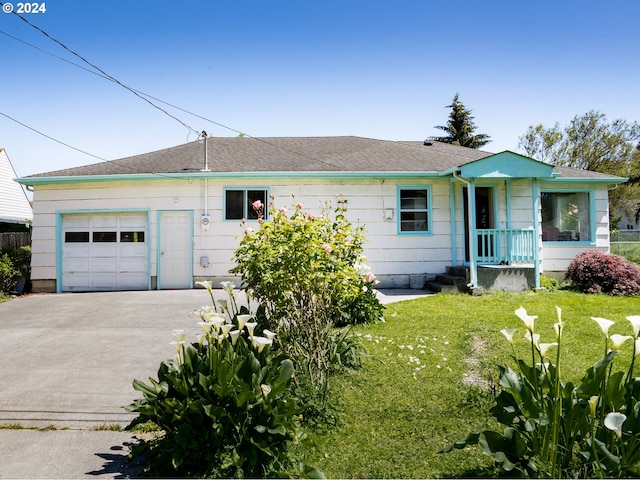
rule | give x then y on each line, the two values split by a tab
379	69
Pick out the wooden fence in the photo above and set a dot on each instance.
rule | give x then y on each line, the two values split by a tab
15	239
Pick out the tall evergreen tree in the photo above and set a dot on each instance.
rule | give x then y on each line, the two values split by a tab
460	128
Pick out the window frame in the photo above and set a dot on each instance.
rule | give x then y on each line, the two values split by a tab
592	215
429	210
245	203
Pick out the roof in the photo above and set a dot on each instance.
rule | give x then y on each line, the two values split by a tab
14	204
287	154
317	155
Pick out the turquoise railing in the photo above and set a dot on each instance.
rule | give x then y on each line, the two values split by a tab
510	245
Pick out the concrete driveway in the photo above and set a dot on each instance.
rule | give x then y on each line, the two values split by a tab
67	363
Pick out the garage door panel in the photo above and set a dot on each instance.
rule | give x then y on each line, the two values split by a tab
99	266
105	252
104	221
76	221
133	250
109	250
76	250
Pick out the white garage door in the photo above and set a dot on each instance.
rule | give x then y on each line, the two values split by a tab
104	252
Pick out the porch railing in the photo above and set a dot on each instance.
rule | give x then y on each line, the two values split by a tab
509	246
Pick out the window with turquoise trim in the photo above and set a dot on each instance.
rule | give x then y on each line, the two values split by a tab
566	217
239	203
414	210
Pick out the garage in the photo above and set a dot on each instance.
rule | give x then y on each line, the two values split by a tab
105	251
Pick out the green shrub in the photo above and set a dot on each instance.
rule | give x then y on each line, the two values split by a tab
550	283
8	274
15	263
224	404
553	429
307	273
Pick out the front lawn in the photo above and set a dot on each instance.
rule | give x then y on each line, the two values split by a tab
431	368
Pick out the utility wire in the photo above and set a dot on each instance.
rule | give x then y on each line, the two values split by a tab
145	97
51	138
226	127
104	74
114	162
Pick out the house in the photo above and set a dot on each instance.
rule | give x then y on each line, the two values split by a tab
15	209
169	218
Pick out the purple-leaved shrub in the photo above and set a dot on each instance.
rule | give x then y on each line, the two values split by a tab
594	271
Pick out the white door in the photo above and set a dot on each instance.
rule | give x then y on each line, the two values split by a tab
176	250
104	252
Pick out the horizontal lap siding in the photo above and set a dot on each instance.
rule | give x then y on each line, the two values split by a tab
388	253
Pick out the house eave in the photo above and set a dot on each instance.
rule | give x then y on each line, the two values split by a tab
57	180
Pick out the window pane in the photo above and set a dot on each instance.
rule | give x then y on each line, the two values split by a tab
252	196
132	237
413	199
104	237
566	217
414	221
76	237
234	209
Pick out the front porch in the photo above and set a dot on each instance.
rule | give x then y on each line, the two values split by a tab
505	278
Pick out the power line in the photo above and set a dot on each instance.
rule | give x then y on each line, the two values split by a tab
114	162
104	74
51	138
143	96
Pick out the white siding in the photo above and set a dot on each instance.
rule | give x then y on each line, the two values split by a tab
392	256
14	204
388	253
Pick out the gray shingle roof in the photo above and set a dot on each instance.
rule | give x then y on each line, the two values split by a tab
298	154
287	154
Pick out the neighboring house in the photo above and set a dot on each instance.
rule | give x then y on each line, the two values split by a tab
169	218
15	209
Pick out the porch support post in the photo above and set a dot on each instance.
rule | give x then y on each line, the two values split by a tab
535	195
473	237
452	210
507	194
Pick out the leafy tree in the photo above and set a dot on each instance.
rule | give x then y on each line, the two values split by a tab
591	142
460	128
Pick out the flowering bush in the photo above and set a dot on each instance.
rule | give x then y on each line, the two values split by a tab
555	429
594	271
306	272
224	403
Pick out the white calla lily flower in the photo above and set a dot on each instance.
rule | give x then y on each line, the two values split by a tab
250	327
180	335
544	347
604	324
225	329
618	340
508	332
613	421
234	334
269	334
526	318
243	319
635	324
260	342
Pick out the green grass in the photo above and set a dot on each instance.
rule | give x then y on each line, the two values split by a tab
409	400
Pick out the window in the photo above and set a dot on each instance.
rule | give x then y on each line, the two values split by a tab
76	237
414	209
566	216
104	237
132	237
239	204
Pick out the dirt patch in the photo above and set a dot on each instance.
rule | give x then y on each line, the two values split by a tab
476	374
